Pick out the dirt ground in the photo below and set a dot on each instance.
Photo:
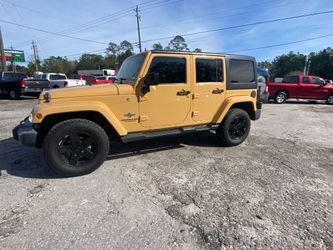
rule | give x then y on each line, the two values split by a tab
275	191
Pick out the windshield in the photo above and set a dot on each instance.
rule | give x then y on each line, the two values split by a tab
130	68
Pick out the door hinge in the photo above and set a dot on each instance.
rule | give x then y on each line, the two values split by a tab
143	98
196	96
195	113
143	118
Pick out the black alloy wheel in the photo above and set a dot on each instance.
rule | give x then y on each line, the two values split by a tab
238	127
235	127
76	147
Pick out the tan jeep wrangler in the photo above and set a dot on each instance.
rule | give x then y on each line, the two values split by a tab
156	93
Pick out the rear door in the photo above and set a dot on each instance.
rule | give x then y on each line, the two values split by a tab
208	88
38	84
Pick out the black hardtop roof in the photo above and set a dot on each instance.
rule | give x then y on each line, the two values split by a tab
232	56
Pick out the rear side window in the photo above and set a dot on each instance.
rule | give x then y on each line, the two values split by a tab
242	71
290	79
20	76
9	76
57	77
88	78
209	70
170	69
305	79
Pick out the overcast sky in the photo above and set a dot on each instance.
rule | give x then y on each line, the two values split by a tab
104	21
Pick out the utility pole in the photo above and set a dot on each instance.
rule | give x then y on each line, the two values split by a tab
305	65
35	50
2	51
138	24
12	61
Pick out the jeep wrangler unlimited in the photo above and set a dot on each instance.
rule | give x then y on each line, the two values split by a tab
156	93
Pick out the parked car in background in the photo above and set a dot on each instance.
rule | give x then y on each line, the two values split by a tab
328	81
104	79
90	79
98	72
262	78
12	84
55	80
263	89
301	87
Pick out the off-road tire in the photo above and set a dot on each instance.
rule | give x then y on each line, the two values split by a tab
281	97
226	132
69	140
329	100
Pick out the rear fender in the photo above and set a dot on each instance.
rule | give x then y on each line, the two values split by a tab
229	102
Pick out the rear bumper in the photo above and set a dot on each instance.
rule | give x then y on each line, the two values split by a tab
25	133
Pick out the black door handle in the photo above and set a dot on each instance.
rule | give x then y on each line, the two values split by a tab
218	91
183	92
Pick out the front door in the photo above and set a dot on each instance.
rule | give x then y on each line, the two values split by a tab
166	102
209	87
312	88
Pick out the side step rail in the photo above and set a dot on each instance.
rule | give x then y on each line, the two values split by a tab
150	135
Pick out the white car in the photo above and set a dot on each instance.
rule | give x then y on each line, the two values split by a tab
58	80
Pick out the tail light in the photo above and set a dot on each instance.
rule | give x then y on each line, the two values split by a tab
65	84
23	84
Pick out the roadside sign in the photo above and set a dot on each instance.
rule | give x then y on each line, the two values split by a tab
12	55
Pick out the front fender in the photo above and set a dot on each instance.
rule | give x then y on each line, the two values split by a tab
46	109
229	102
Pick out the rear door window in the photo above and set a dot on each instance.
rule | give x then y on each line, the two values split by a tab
57	77
305	79
290	79
208	70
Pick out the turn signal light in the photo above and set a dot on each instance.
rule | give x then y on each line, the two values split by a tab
39	116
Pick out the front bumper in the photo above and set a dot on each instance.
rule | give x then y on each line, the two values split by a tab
25	133
257	113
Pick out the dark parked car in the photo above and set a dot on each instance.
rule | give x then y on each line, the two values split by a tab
12	84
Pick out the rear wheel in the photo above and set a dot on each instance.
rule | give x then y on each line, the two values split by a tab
280	97
330	100
76	147
14	94
235	128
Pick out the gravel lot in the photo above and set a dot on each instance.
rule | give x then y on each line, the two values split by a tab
275	191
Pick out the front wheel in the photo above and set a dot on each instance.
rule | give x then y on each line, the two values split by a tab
76	147
235	128
330	100
280	97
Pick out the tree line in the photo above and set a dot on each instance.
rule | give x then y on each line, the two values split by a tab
321	64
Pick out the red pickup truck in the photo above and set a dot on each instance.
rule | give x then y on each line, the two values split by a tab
300	87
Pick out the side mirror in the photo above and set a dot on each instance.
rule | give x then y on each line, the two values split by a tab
152	78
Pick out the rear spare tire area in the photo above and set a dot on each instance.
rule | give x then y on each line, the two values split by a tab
75	147
235	128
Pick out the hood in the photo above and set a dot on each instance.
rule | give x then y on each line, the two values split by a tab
90	90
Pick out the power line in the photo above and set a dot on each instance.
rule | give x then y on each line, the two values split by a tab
281	44
101	20
243	25
50	32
